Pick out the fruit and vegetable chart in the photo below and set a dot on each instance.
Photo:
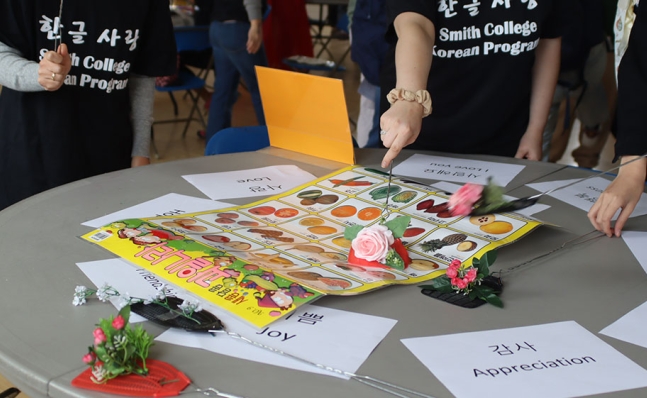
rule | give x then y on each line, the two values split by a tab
300	234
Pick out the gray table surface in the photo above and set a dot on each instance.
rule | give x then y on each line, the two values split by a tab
43	336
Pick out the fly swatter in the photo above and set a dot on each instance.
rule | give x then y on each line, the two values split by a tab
204	321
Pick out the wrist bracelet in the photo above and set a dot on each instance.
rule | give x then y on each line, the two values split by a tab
421	96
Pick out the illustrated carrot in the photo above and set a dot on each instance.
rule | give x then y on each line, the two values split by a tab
351	182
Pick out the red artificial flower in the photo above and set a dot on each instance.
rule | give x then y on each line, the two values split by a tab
119	322
89	358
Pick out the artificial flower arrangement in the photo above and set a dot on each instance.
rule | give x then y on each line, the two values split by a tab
473	281
119	349
380	244
475	199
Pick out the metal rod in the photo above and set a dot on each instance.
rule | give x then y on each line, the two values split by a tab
382	385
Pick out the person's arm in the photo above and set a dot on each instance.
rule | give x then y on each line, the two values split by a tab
255	35
544	80
413	55
20	74
16	72
631	141
142	93
623	193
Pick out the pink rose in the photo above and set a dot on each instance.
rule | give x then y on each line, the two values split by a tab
373	243
462	202
118	323
455	264
99	336
471	275
452	273
89	358
460	283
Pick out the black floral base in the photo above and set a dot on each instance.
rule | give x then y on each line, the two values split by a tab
463	300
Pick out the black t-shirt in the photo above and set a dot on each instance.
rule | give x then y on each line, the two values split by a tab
481	72
632	86
82	129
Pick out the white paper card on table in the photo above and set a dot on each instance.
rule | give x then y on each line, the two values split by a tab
554	360
263	181
458	170
168	205
635	240
123	277
584	194
450	187
335	338
631	327
331	337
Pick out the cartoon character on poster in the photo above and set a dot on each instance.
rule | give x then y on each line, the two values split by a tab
269	294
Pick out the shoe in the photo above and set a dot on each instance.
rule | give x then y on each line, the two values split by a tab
592	140
339	34
589	136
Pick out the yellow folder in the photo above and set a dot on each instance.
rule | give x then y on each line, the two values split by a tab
306	113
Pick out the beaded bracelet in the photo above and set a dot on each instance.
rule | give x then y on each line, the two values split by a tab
421	96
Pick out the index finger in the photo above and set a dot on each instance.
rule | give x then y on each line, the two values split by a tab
391	154
394	149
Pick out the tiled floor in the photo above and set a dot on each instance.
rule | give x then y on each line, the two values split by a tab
168	137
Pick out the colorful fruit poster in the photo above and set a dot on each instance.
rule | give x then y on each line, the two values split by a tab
262	260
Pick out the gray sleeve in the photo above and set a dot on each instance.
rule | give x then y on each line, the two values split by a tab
142	94
16	72
254	9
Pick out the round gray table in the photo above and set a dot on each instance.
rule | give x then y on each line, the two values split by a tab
43	336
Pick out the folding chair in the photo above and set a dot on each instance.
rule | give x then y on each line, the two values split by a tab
238	139
307	64
187	38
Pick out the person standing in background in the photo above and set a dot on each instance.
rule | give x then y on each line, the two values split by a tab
580	82
83	107
368	49
631	134
495	67
236	34
287	32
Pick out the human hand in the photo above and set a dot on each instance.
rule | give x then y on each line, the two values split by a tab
54	67
623	193
529	146
254	37
402	123
140	161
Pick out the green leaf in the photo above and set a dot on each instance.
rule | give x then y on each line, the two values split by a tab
351	232
100	350
489	258
475	262
484	290
125	313
442	284
398	225
494	300
394	260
